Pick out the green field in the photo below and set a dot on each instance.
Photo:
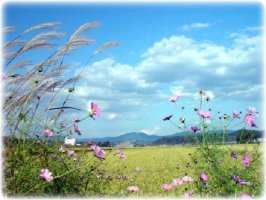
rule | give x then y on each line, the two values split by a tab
159	165
112	176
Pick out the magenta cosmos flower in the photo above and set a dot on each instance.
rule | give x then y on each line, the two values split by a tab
46	175
98	151
195	129
95	110
133	188
204	114
167	186
77	120
167	118
238	180
76	129
48	133
204	177
174	99
246	160
188	194
249	119
233	155
236	114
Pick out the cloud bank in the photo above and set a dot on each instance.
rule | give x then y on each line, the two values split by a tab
176	65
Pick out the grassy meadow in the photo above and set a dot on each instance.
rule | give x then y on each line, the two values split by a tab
159	165
148	168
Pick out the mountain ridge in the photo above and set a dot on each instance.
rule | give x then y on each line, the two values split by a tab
141	138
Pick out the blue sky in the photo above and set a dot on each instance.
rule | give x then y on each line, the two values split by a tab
165	49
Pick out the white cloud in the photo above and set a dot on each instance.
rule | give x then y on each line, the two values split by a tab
210	94
209	66
180	65
153	130
196	25
117	88
111	116
254	28
221	70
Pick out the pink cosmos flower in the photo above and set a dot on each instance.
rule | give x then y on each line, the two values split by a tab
76	129
122	155
71	153
204	114
245	196
174	99
62	149
100	153
167	186
252	111
249	119
236	114
187	179
133	189
95	110
188	194
177	182
204	177
46	175
48	133
246	160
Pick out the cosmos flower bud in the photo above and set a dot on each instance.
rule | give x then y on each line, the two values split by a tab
202	93
182	120
225	116
233	155
12	75
71	89
40	69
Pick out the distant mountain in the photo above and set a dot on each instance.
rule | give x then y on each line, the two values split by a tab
182	138
137	138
